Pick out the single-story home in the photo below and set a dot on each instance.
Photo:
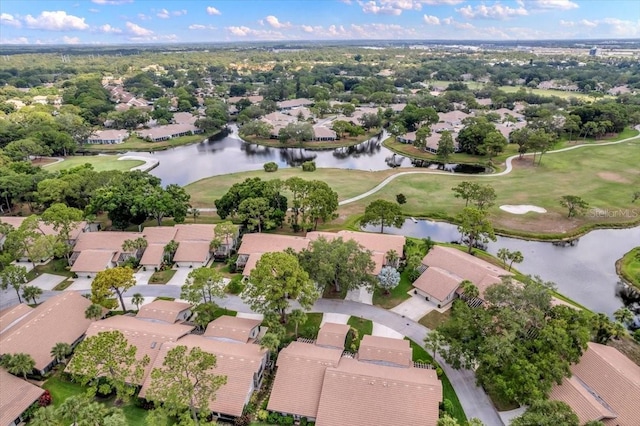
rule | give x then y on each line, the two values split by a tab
604	386
446	267
165	311
194	245
332	335
35	331
242	364
322	133
97	251
233	329
169	131
253	246
16	221
110	137
16	396
385	351
294	103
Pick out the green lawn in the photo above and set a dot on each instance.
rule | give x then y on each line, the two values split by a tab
629	267
54	267
135	143
420	354
434	319
223	311
308	330
626	133
162	277
396	296
99	162
364	326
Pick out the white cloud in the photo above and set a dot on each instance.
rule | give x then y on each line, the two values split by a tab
495	11
108	29
17	40
179	12
553	4
590	24
112	2
239	31
622	28
373	8
242	31
163	14
431	20
137	30
213	11
567	23
56	21
94	10
275	23
445	2
6	19
307	28
201	27
144	17
70	40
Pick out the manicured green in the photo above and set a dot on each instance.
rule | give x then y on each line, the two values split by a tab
223	311
396	296
604	176
135	143
135	415
434	319
62	389
629	267
364	326
99	162
162	277
309	329
54	267
419	353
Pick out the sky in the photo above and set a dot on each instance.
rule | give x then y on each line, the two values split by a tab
157	21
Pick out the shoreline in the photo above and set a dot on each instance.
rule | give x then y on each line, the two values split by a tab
630	281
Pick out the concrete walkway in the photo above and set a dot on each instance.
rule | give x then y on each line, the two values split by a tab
335	318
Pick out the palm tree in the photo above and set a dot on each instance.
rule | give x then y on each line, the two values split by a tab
32	293
515	257
298	317
94	312
503	254
136	246
19	364
195	213
624	315
469	290
433	341
392	258
270	342
45	416
60	351
72	409
169	250
137	300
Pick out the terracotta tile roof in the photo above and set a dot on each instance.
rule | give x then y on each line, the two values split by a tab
192	251
298	383
252	261
258	243
291	103
11	316
585	404
159	234
152	255
332	335
16	395
163	310
104	240
385	350
465	266
58	319
239	363
194	232
147	336
232	328
93	260
612	378
14	221
437	282
360	394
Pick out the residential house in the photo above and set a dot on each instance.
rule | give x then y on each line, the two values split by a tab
194	245
97	251
35	331
335	388
108	137
332	335
242	364
157	238
255	245
604	386
169	131
165	311
294	103
323	133
233	329
444	269
16	396
16	221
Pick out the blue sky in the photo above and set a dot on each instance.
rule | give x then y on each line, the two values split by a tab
144	21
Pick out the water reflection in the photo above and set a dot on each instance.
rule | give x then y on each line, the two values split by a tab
584	272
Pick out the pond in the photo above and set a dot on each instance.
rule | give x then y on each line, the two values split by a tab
585	272
227	153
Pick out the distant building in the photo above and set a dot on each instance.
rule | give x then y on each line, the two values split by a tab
594	51
108	137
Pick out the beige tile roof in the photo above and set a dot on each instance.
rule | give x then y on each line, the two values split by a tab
252	261
237	362
192	251
93	260
265	243
152	255
233	328
465	266
195	232
58	319
360	394
16	221
610	375
385	350
163	310
437	282
586	405
11	316
16	395
104	240
298	383
147	336
332	335
159	234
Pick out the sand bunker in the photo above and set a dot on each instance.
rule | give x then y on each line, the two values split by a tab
522	209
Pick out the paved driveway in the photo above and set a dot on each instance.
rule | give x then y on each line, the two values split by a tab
362	295
335	318
414	308
81	284
142	277
384	331
180	277
47	281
